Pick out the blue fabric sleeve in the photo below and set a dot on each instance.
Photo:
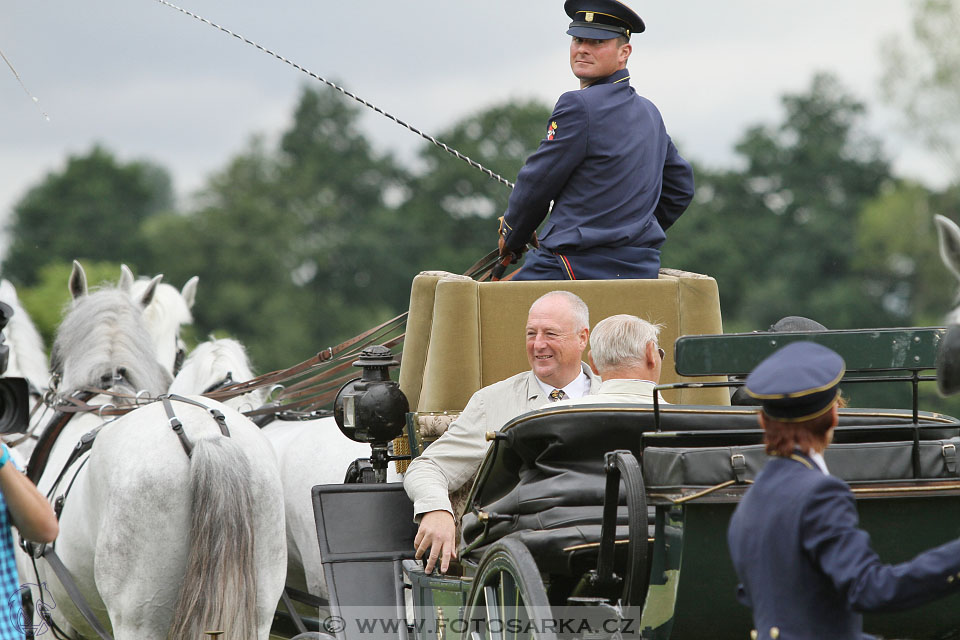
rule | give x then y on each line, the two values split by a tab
547	170
841	549
677	190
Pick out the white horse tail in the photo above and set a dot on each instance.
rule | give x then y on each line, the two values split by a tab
219	590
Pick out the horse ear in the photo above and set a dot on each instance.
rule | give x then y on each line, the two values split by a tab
949	234
189	291
151	289
126	278
78	281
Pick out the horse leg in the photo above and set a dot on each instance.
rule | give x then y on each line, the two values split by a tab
141	547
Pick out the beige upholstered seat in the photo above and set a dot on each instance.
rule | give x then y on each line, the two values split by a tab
463	335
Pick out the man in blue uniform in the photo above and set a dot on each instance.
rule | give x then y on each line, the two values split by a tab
613	174
806	568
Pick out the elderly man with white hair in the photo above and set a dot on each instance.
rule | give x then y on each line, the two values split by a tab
625	354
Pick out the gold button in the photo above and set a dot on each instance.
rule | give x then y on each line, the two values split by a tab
753	634
950	578
774	632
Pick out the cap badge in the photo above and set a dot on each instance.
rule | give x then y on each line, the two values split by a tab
552	130
589	16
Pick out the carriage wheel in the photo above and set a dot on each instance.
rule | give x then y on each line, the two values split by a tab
508	600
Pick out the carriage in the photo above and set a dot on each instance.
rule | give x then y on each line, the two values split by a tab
610	520
585	521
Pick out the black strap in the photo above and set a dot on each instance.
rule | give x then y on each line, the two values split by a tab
177	425
307	598
81	603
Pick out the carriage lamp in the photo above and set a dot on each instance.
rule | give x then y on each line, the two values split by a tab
372	408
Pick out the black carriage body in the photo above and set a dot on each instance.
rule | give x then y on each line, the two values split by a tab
533	526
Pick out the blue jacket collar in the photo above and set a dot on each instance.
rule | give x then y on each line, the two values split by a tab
620	76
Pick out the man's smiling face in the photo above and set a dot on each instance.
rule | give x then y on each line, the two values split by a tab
554	343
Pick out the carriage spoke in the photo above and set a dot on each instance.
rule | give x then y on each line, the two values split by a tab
492	597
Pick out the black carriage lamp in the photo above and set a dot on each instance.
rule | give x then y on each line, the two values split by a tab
372	408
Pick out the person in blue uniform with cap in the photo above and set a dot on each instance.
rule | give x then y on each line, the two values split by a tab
614	176
805	567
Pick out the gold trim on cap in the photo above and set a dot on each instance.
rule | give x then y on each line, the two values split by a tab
588	17
797	394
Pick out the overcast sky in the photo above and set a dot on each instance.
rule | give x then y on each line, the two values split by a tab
149	82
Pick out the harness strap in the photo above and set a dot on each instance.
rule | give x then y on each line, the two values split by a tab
306	598
177	425
66	579
41	453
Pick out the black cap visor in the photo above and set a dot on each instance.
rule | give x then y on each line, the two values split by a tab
594	31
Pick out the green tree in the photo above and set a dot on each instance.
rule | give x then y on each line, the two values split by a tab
780	234
922	77
92	209
454	206
289	242
303	246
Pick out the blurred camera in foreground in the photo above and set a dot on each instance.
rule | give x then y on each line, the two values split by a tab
14	392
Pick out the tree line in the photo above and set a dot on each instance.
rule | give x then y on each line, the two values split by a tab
303	243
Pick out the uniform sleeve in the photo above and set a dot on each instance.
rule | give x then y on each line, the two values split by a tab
547	169
841	549
450	461
677	190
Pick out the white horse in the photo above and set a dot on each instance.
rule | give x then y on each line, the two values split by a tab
28	356
28	360
167	311
214	363
161	544
310	452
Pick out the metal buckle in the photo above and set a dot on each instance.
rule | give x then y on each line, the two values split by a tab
738	462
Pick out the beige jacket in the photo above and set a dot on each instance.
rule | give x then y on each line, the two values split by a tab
616	391
455	457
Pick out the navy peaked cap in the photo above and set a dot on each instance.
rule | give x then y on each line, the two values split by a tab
602	19
798	382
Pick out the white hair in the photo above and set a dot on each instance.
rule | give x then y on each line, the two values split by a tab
621	341
581	314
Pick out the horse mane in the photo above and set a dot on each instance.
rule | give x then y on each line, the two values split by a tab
103	334
28	356
210	362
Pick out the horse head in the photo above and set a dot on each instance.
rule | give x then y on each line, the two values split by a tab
948	353
166	309
103	342
216	363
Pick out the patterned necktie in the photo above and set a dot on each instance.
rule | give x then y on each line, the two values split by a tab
557	394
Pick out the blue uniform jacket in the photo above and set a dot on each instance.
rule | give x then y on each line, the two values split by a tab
807	569
614	175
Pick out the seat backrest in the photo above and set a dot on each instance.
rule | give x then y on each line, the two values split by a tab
463	335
